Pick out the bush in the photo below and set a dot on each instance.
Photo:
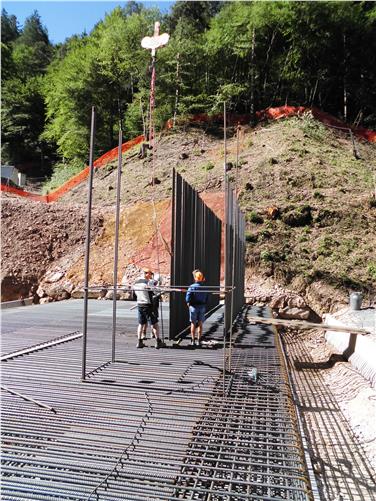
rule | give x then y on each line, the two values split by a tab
208	166
318	195
271	256
253	217
250	237
372	270
313	128
61	174
300	216
326	246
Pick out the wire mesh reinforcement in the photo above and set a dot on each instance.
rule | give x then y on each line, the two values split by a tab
107	441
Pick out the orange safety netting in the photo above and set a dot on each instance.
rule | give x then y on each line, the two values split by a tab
288	111
78	178
232	119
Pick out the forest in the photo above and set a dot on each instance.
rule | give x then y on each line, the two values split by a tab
253	55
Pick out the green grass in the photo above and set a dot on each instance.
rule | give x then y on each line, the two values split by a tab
253	217
61	174
208	166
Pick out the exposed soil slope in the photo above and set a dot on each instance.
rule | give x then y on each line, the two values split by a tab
308	203
35	236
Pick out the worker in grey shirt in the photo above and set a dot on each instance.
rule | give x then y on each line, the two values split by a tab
146	295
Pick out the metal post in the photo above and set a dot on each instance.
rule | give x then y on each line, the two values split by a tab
225	241
116	244
234	248
87	244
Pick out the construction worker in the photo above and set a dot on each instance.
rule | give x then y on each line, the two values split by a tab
143	288
196	301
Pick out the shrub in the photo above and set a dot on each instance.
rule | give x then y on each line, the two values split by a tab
62	173
300	216
313	128
253	217
208	166
325	246
372	270
318	195
372	203
271	256
250	237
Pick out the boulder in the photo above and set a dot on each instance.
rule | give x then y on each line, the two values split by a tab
44	300
41	292
294	313
53	276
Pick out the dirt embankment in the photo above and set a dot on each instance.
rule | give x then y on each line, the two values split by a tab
35	236
307	200
43	245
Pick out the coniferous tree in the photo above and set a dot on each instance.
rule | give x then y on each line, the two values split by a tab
23	109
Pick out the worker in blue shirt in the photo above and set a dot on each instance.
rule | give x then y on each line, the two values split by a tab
196	301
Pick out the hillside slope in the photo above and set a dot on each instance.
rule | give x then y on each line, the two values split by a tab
309	203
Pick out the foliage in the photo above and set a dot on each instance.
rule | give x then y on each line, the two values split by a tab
250	54
62	172
102	70
208	166
27	54
254	217
372	270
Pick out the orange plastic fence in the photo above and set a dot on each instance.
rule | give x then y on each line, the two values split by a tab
287	111
78	178
232	118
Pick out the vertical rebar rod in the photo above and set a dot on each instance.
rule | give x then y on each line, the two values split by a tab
116	245
87	244
234	248
225	240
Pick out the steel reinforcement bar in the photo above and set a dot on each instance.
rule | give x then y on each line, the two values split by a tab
156	425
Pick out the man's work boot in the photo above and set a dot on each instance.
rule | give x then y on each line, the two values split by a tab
198	343
140	343
158	343
192	343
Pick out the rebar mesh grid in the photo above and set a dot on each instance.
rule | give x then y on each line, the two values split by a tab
154	426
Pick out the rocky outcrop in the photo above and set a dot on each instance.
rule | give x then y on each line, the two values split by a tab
285	303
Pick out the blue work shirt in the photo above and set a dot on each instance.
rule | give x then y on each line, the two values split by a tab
194	296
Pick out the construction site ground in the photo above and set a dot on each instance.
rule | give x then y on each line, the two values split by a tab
286	165
156	423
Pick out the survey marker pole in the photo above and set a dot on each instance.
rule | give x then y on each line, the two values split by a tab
87	243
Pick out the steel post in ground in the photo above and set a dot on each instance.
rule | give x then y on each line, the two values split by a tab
87	243
116	245
234	250
225	238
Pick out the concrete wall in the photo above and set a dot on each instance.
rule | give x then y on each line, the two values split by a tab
359	349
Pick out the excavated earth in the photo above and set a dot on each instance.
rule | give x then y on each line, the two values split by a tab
43	245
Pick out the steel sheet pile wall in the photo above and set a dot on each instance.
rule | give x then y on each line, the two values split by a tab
196	243
234	258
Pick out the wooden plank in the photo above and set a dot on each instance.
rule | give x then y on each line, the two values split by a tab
302	324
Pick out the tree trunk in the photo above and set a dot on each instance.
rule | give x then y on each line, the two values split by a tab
177	77
344	79
252	93
266	64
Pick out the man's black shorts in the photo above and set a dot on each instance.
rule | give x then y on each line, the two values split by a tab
147	313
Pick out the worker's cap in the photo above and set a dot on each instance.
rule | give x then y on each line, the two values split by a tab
198	275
